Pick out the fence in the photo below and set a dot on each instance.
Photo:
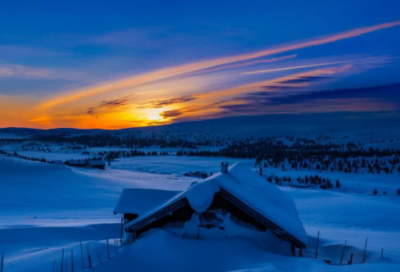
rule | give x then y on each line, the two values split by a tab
350	251
91	254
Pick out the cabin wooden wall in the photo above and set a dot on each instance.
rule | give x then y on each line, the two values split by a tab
182	214
221	203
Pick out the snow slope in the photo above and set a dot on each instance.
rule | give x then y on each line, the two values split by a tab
52	195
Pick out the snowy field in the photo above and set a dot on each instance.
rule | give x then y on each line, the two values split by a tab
45	208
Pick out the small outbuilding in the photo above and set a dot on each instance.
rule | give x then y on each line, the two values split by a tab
236	195
100	164
76	163
197	174
92	163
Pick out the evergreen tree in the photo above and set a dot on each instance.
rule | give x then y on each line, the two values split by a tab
340	165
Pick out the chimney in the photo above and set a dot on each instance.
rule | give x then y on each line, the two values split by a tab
224	167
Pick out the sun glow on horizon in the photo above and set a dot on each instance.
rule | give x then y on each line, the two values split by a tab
153	114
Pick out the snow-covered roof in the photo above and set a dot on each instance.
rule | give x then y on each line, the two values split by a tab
251	189
141	201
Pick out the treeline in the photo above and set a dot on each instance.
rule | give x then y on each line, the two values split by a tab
278	151
323	183
347	165
127	141
15	154
313	181
113	155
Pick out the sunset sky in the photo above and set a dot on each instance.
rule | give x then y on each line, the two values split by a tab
118	64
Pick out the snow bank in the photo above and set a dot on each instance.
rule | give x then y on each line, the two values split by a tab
174	253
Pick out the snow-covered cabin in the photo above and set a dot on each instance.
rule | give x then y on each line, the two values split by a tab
76	163
197	174
100	164
235	195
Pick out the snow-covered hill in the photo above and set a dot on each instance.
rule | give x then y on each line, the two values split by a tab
45	208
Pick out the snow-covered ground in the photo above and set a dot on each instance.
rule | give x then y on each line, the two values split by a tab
174	164
53	195
45	208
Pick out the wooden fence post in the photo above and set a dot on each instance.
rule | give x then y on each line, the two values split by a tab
72	261
96	248
365	249
62	261
351	259
88	254
80	241
341	259
2	262
98	251
316	250
108	246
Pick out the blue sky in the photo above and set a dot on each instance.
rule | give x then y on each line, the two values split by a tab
66	50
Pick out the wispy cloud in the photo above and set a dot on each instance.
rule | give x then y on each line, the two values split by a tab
295	67
12	70
166	73
304	79
311	106
26	51
166	102
377	93
280	81
20	71
242	64
108	104
238	97
172	113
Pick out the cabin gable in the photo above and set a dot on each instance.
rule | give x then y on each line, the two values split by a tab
180	212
